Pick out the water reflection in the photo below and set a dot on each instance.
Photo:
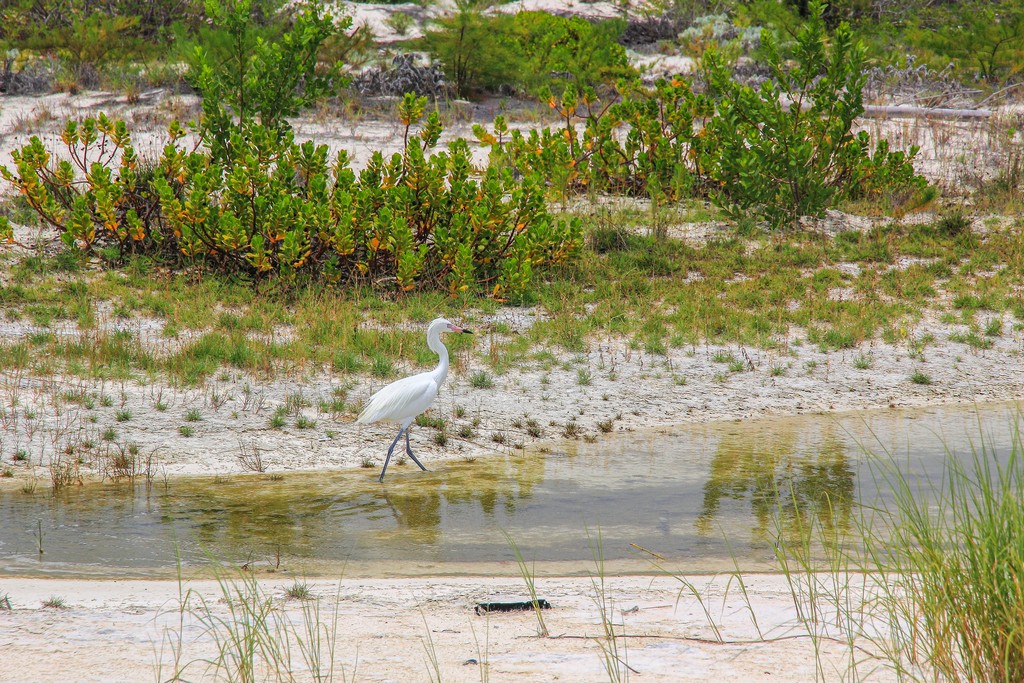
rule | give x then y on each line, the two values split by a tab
784	472
705	496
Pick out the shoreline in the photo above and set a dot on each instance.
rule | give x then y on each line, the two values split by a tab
626	391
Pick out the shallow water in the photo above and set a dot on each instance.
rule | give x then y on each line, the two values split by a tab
704	497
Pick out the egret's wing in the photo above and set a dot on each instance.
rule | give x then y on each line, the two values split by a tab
401	400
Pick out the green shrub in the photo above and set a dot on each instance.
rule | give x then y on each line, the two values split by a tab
984	39
531	52
466	47
653	159
252	200
779	153
250	90
787	150
412	219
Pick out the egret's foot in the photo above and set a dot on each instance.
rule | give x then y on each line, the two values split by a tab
416	460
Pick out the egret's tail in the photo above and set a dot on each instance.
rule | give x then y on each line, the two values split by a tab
369	412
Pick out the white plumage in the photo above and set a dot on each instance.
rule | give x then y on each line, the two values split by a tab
404	399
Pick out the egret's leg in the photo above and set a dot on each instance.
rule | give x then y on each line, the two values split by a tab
390	451
408	449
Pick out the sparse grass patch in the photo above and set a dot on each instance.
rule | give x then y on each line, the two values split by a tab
424	420
382	367
481	379
972	339
920	377
345	360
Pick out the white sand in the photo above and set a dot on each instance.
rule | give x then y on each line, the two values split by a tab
121	630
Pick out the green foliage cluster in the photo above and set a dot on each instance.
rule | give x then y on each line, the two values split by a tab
786	149
249	199
981	37
643	145
273	206
89	30
780	152
528	52
252	84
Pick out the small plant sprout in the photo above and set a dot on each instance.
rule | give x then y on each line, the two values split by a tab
194	415
529	578
250	458
55	602
299	590
186	431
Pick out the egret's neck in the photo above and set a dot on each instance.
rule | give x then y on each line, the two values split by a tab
434	343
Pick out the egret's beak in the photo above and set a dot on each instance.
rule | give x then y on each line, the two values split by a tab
456	328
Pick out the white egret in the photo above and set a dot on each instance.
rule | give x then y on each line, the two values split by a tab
402	400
